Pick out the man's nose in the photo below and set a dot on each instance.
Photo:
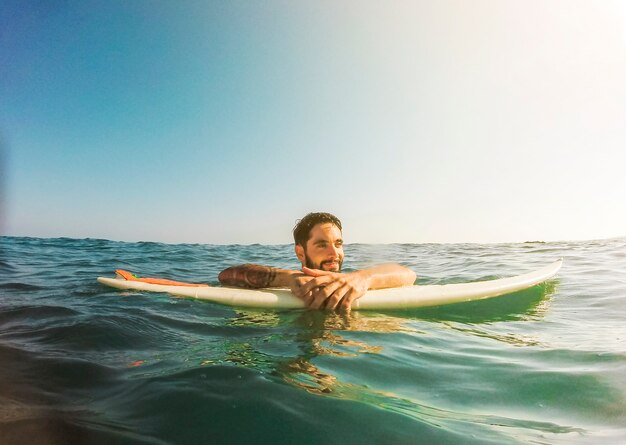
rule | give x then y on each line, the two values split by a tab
334	250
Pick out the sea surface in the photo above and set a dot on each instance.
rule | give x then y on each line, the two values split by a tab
81	363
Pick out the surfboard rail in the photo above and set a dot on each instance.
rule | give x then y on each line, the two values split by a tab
394	298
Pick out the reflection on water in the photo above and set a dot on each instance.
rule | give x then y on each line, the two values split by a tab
258	318
323	320
291	346
537	366
539	300
317	334
510	338
528	304
303	374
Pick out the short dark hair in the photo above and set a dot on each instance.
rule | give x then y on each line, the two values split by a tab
302	230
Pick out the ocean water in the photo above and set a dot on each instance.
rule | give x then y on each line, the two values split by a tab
82	363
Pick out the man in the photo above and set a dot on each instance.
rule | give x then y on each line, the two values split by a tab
320	283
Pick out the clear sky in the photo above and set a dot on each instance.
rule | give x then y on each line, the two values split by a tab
224	122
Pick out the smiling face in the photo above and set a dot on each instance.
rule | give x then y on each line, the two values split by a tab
324	248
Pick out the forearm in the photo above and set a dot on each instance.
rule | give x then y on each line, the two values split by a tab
256	276
388	275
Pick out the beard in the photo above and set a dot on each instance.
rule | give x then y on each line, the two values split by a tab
311	265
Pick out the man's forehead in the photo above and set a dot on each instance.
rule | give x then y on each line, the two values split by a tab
324	231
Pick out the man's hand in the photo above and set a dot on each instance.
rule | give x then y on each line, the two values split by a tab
332	290
296	281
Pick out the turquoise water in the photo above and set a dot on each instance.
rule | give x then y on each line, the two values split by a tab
82	363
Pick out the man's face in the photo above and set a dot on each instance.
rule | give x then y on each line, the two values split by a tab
324	248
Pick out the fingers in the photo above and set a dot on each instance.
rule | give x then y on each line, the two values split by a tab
335	300
296	283
315	272
315	283
346	302
320	295
323	298
328	291
301	281
299	290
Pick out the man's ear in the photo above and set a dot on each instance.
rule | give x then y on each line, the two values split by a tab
300	254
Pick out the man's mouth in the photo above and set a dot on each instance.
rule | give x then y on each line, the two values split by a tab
330	265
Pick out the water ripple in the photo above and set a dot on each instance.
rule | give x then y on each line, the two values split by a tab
82	363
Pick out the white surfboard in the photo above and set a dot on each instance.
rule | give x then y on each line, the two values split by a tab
394	298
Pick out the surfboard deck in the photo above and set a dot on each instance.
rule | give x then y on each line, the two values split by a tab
394	298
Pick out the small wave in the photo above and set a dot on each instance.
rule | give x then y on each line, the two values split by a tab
90	334
5	266
20	286
28	316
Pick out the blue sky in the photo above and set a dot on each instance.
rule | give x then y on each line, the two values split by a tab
224	122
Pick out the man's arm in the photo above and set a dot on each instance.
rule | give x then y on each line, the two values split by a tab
256	276
332	290
388	275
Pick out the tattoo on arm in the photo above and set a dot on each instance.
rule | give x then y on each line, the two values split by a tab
252	276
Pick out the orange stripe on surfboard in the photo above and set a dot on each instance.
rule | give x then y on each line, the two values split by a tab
130	277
